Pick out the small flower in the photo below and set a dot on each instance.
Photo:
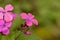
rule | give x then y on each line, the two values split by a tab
27	32
29	19
6	17
6	12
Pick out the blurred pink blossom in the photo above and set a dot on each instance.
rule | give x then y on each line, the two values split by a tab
6	17
27	32
29	19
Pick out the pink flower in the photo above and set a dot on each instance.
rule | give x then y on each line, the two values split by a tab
29	19
27	32
6	12
6	17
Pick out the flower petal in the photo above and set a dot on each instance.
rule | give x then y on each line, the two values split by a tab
9	7
8	24
35	21
8	17
14	16
1	9
1	22
1	15
1	27
5	31
29	23
30	15
23	15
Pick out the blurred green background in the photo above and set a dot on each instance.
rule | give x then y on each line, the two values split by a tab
47	12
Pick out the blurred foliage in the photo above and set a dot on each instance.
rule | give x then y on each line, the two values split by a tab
47	12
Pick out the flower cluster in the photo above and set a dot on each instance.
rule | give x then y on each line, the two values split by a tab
6	17
29	20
